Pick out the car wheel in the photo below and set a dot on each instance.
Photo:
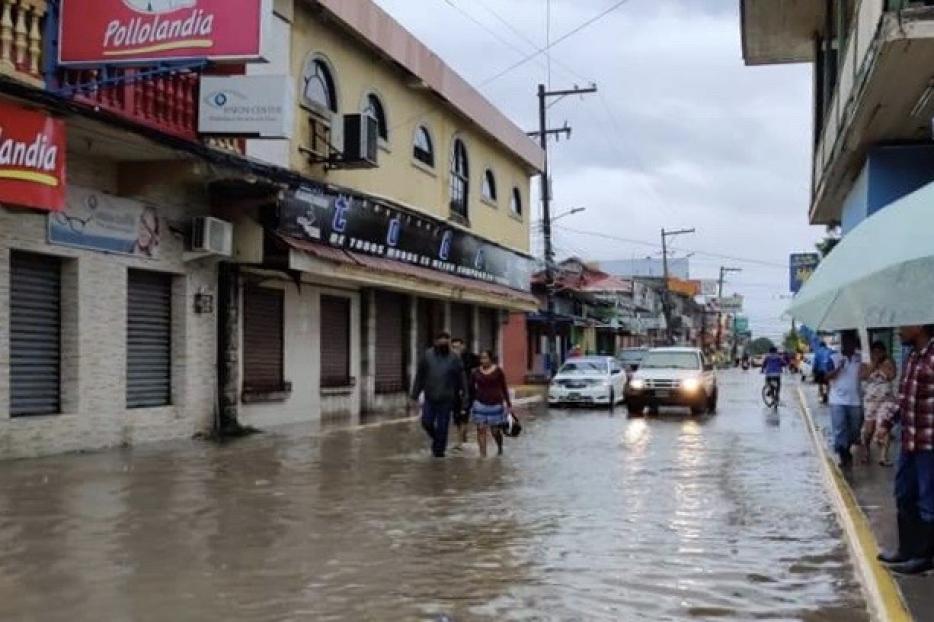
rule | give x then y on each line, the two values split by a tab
712	405
636	409
699	409
612	399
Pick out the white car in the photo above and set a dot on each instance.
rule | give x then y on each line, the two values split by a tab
591	380
673	377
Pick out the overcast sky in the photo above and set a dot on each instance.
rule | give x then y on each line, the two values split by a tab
682	134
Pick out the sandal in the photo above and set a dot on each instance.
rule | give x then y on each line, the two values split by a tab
886	463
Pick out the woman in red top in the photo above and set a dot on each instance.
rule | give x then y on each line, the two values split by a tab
490	401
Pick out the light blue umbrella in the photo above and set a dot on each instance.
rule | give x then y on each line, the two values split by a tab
880	275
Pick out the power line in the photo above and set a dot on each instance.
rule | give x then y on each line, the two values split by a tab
557	41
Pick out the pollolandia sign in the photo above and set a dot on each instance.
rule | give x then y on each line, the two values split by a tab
139	31
318	214
32	158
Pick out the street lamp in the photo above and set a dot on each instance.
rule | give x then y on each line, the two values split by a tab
571	212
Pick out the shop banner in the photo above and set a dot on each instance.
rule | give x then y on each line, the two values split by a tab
32	158
142	31
801	267
102	222
247	106
362	225
730	304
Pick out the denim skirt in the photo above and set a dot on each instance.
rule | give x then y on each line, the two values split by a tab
488	416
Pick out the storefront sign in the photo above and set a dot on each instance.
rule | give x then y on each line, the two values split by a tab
138	31
102	222
801	267
731	304
247	106
369	227
32	158
709	287
741	325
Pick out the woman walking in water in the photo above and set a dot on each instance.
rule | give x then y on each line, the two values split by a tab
491	404
879	399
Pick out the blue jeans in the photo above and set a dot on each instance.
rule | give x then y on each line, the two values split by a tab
914	484
847	422
436	417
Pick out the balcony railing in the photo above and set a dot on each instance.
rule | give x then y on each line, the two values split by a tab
163	101
21	39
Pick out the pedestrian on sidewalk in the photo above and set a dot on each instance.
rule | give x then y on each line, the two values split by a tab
823	364
914	476
462	412
846	400
878	400
441	378
491	402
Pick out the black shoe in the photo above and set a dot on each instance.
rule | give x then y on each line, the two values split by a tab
914	566
892	558
908	532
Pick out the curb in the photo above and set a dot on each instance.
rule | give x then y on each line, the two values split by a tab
885	600
528	401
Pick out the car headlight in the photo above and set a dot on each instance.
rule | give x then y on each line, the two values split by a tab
637	385
691	385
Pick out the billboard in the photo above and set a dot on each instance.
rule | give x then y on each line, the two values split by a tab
260	105
362	225
102	222
801	267
32	158
143	31
730	304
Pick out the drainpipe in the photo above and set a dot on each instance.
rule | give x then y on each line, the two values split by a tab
228	350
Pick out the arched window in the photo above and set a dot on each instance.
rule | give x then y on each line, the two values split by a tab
460	178
318	85
423	149
489	186
374	108
516	203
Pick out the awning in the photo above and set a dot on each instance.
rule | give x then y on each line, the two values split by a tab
369	271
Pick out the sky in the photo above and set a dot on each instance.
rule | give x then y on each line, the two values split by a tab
681	134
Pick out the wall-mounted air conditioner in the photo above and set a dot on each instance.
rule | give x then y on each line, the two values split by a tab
361	142
212	235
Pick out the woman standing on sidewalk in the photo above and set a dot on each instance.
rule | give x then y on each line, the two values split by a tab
878	399
491	403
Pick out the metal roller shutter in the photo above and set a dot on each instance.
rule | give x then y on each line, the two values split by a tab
335	341
489	329
462	323
35	334
263	367
149	340
430	322
391	338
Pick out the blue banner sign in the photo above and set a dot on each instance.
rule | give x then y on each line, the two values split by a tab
802	266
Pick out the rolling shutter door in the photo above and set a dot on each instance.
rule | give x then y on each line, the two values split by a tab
263	367
391	338
489	329
335	341
149	340
35	335
462	323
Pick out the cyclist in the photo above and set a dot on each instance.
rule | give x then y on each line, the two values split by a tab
772	367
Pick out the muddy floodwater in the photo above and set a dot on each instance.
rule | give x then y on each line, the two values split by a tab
588	516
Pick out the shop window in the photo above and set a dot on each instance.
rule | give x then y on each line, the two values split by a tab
335	342
35	334
263	337
424	150
149	340
460	180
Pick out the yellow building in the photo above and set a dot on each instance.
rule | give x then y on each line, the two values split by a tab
422	226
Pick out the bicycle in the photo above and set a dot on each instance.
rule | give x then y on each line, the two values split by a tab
771	393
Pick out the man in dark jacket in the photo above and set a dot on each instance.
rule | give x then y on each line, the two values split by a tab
441	378
462	411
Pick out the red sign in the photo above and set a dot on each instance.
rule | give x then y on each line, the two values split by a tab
32	159
138	31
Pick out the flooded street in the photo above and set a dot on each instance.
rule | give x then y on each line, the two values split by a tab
587	517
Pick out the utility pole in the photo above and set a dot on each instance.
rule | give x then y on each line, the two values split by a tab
542	134
723	272
666	291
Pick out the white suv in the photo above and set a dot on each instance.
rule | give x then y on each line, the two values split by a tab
673	377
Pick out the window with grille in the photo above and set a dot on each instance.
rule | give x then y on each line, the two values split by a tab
460	179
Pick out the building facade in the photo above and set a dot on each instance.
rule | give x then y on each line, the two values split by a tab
393	204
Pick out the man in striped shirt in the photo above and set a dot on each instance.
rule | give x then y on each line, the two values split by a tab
914	479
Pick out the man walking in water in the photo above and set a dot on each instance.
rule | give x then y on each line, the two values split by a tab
441	378
470	362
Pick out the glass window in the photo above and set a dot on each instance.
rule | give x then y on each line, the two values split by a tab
584	366
424	150
671	360
318	89
374	108
516	203
489	186
460	179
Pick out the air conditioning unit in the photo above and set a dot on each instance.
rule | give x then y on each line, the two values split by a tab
361	141
212	235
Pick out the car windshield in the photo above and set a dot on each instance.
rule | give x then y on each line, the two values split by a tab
632	356
584	366
670	360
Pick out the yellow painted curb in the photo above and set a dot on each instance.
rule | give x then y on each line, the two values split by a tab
886	603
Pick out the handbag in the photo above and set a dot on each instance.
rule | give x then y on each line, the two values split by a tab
513	427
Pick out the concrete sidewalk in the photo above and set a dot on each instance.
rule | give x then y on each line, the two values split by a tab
871	486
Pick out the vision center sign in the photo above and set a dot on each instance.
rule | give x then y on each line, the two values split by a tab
258	105
139	31
361	225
